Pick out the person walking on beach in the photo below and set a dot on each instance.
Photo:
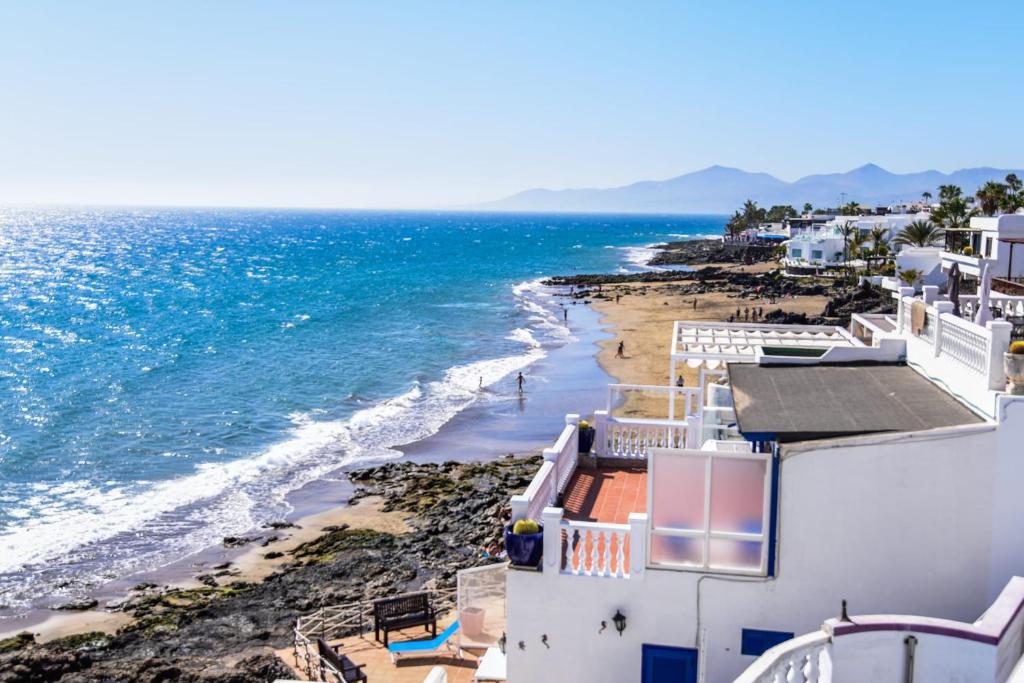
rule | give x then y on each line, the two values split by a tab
621	353
695	303
680	381
565	315
520	381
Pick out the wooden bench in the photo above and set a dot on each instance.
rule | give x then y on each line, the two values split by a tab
392	614
342	665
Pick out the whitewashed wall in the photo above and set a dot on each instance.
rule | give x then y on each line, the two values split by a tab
880	657
893	524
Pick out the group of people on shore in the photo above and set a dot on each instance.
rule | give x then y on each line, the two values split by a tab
748	315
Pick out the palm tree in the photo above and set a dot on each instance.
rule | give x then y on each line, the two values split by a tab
1014	199
947	192
910	277
880	240
858	244
851	209
953	215
927	197
991	196
920	234
847	230
808	208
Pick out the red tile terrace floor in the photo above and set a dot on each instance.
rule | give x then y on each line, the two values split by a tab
605	494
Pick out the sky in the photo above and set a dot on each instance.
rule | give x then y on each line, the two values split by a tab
438	104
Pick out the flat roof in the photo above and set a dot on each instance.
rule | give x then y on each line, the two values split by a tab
805	402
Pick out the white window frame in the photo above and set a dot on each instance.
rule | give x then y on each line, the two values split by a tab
706	533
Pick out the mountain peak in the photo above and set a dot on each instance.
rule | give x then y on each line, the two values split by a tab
870	168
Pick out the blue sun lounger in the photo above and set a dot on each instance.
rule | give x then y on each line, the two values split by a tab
423	646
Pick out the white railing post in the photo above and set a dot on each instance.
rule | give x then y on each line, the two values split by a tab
573	419
694	432
520	507
904	293
551	456
551	518
999	343
940	308
929	293
637	543
600	432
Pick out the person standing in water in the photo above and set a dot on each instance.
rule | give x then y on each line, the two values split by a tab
520	380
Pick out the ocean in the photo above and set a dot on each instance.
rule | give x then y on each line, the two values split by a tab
169	376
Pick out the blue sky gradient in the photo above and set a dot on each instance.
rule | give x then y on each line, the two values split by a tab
435	104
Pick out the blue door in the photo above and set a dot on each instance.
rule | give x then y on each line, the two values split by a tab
663	664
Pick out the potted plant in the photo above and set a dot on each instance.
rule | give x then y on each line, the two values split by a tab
586	437
968	251
524	542
1013	363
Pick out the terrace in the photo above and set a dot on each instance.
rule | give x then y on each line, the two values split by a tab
671	455
469	646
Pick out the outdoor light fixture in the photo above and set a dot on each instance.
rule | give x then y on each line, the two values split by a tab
620	621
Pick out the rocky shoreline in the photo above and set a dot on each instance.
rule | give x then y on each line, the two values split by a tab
703	252
845	297
226	631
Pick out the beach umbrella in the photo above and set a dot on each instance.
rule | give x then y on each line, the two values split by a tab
953	288
983	315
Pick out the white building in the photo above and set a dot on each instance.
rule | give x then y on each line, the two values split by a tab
992	240
821	246
806	466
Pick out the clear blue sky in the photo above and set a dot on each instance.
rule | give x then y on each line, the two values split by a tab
436	103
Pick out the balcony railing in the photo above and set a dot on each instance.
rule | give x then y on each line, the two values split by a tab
632	438
806	659
553	476
975	351
892	646
595	549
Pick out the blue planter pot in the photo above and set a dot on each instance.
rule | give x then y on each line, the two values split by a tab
524	550
587	440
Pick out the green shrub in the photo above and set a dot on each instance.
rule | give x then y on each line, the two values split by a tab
968	251
525	526
584	424
1017	348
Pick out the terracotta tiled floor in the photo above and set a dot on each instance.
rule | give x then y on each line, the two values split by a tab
410	668
606	494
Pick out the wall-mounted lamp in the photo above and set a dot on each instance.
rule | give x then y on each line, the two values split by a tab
620	621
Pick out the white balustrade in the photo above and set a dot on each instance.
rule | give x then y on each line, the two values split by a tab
964	342
976	348
805	659
631	438
595	549
565	453
553	476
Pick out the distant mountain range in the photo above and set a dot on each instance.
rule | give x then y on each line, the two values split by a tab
719	189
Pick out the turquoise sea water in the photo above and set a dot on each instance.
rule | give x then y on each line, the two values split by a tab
168	376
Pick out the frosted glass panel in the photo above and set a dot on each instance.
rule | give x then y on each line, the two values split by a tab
737	495
677	550
730	554
678	492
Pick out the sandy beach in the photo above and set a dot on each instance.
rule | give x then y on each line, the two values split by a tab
644	315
